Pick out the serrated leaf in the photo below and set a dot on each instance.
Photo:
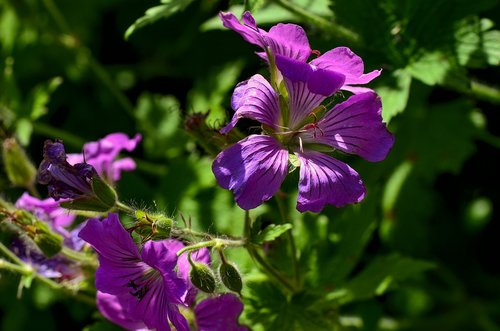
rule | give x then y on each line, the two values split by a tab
378	277
476	45
153	14
270	233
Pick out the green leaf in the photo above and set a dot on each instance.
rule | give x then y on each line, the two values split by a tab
40	96
254	5
153	14
270	233
438	68
476	45
378	277
211	92
395	94
158	118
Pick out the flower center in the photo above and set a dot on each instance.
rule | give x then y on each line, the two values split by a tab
142	284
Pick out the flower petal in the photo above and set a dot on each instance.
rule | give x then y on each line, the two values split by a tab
113	307
219	313
253	169
119	259
326	181
289	40
248	30
307	87
354	126
346	62
255	99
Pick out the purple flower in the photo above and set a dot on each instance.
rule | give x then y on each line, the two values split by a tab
102	155
64	180
290	42
212	314
145	282
255	167
47	210
219	313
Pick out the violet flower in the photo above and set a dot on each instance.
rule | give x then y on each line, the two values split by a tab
64	180
103	154
145	282
255	167
218	313
290	41
59	219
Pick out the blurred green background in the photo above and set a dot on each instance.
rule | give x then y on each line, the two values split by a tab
67	71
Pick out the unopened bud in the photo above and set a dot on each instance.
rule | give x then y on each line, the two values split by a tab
230	277
202	277
50	243
162	227
19	169
103	192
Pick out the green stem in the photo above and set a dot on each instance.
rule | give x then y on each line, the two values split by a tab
7	252
485	92
125	208
291	240
79	256
217	243
335	30
50	131
27	271
268	268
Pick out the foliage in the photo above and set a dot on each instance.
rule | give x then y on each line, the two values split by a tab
416	254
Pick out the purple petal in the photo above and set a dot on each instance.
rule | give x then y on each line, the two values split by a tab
346	62
119	259
248	30
113	307
253	169
289	40
354	126
47	210
160	256
219	313
255	99
307	87
102	155
326	181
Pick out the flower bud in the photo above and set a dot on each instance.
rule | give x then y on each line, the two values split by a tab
19	169
230	277
162	227
50	243
202	277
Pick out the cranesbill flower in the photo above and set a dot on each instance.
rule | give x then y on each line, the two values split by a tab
64	180
212	314
103	155
145	282
290	41
255	167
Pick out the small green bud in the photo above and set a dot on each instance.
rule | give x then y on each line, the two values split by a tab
142	217
202	277
19	169
50	243
162	227
230	277
103	192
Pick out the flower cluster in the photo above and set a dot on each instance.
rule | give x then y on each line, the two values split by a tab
145	288
299	123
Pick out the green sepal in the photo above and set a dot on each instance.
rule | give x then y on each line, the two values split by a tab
103	192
